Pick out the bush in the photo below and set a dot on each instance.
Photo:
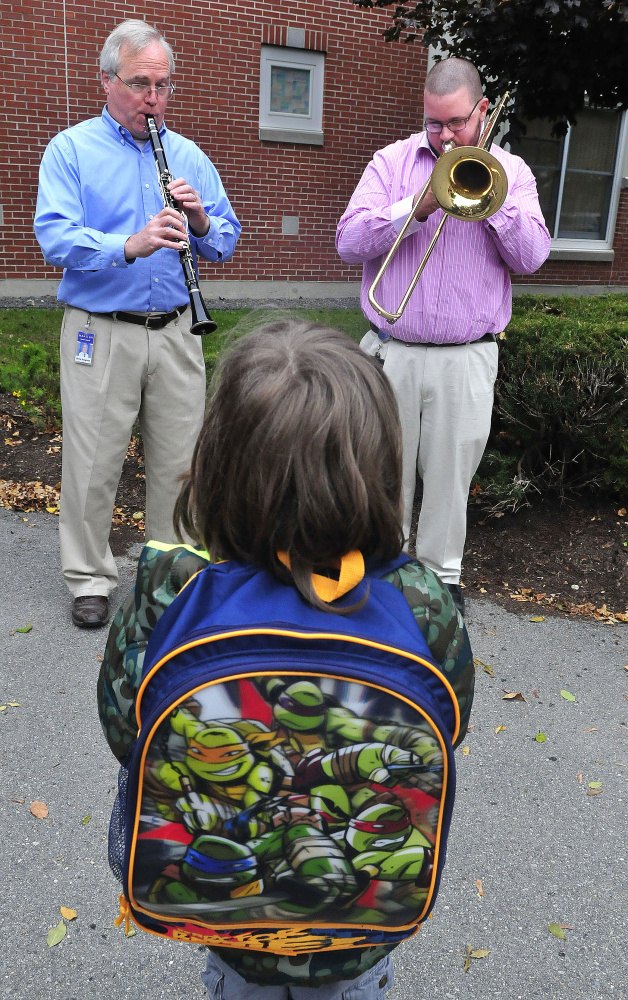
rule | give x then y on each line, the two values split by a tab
29	361
561	397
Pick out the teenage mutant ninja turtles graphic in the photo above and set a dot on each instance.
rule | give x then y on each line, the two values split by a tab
289	798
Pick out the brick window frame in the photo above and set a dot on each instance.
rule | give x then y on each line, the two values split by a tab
304	51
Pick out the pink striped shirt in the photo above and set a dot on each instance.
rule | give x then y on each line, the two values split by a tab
464	291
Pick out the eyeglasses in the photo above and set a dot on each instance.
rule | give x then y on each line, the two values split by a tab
144	89
455	125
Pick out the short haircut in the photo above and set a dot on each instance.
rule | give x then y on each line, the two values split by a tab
136	35
300	452
449	75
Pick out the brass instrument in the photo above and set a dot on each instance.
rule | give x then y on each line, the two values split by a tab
201	320
468	183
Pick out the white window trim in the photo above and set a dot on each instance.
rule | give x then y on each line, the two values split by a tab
283	127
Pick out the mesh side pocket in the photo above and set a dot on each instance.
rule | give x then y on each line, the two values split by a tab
116	827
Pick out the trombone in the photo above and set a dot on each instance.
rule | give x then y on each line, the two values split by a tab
468	183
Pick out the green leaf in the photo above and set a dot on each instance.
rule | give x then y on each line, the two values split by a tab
540	737
56	934
86	819
557	931
567	696
537	618
25	628
595	784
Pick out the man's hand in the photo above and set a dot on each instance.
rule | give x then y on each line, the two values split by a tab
428	205
166	229
190	201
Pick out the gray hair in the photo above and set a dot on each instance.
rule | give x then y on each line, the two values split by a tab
449	75
136	35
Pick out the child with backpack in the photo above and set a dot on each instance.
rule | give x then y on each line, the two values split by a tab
284	695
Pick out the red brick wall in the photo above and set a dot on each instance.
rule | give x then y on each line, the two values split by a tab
372	97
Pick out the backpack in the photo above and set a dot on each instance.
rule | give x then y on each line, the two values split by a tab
292	782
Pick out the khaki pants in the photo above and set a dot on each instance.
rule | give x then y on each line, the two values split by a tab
157	376
445	399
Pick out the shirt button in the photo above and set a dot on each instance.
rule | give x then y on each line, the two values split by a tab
151	216
153	309
148	185
122	141
113	264
156	279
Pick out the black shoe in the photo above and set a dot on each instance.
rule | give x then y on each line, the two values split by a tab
457	596
90	611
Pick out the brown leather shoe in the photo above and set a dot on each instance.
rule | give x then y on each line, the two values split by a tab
90	611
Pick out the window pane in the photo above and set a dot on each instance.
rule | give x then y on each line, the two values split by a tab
544	154
589	176
290	90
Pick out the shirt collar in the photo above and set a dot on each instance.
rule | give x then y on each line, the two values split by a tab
121	130
423	146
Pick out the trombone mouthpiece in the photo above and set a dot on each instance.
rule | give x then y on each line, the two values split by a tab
448	146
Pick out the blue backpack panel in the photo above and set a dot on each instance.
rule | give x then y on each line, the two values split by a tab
292	782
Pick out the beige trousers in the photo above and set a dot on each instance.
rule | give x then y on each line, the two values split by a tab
157	376
445	399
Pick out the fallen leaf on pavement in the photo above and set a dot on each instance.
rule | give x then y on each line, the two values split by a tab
465	751
595	791
480	953
590	730
18	800
579	777
567	695
56	934
131	932
557	931
25	628
540	737
86	819
39	809
538	618
68	913
500	729
595	784
478	886
512	695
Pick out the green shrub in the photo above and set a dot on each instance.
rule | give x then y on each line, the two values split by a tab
561	396
29	361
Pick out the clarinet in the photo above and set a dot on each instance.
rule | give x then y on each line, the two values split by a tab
201	320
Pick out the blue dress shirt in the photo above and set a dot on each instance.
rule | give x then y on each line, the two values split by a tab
97	188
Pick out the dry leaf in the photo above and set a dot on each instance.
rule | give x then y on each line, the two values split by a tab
591	730
480	953
39	809
500	729
68	913
512	696
465	751
595	791
539	618
18	800
478	886
579	778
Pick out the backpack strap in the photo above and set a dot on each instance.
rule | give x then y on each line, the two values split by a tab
351	568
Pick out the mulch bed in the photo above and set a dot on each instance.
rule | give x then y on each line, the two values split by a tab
566	557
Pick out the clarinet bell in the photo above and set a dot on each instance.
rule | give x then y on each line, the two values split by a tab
201	320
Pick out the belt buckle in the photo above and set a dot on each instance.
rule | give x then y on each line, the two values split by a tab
154	322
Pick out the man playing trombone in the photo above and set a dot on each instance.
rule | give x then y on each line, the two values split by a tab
441	353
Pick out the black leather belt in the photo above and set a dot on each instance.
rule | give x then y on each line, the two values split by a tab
488	337
152	321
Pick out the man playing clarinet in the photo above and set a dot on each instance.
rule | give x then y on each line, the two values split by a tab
101	216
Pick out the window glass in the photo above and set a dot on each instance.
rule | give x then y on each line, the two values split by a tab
290	90
580	210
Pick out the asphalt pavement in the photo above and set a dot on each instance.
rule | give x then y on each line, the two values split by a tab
529	846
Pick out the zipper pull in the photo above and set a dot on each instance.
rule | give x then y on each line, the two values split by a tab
124	915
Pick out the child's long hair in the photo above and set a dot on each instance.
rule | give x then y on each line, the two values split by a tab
300	452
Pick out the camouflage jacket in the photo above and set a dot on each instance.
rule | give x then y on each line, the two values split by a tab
161	573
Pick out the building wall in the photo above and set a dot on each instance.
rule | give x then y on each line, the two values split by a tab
372	97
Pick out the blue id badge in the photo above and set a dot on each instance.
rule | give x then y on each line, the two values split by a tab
84	348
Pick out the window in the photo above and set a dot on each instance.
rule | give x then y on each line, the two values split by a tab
291	95
578	179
